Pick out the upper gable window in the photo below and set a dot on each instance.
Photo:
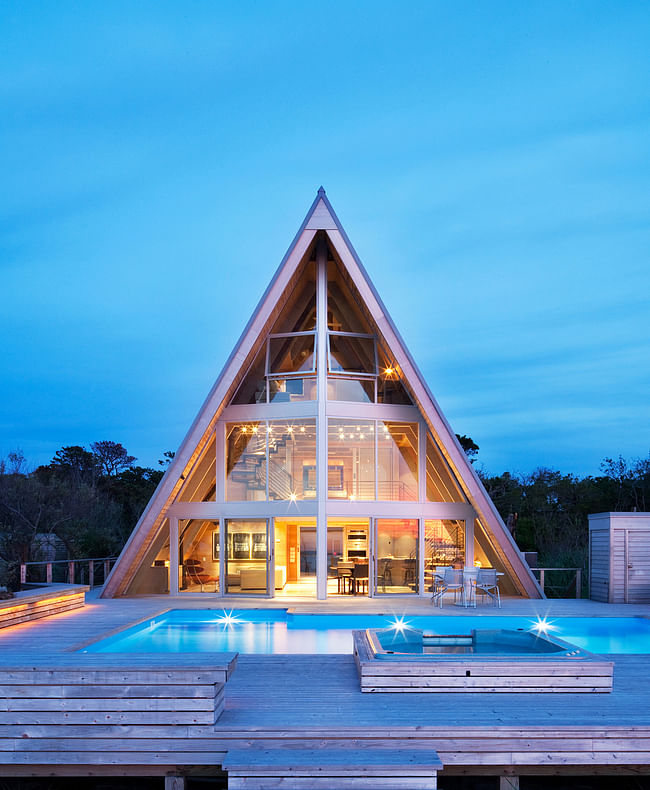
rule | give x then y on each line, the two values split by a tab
291	354
352	354
299	311
344	311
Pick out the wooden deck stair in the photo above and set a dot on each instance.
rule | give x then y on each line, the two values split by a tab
395	768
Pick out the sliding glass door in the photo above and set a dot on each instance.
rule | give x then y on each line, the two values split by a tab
249	557
396	568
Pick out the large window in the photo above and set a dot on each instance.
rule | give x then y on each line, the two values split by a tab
291	354
200	483
444	541
278	456
352	354
292	459
397	461
351	459
441	483
245	461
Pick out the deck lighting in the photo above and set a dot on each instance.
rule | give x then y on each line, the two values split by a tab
389	371
302	430
290	429
292	497
254	428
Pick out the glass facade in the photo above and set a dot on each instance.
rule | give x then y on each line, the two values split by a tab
259	468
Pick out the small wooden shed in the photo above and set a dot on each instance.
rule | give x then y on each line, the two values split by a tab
619	557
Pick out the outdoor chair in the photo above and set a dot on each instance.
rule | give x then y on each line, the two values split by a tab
452	581
487	583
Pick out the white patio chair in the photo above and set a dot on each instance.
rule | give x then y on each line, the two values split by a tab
452	581
487	583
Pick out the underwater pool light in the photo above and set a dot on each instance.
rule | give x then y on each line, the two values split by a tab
228	618
400	624
543	626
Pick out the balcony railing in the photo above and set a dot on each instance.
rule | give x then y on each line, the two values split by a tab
563	584
91	571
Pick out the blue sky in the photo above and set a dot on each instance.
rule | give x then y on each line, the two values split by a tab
489	161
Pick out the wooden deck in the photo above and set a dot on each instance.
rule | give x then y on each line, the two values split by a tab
314	702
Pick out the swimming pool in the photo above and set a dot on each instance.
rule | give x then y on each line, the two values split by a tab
266	631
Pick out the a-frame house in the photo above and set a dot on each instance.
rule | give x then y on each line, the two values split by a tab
319	453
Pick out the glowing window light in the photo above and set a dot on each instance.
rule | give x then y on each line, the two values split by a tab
302	430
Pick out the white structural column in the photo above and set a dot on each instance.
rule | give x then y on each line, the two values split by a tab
321	422
173	555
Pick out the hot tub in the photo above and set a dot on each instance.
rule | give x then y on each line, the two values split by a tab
502	660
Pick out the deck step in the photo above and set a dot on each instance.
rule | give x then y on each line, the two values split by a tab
345	769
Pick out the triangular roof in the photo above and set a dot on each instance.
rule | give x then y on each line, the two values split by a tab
320	218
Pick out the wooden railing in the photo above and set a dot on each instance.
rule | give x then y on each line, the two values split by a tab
88	571
541	577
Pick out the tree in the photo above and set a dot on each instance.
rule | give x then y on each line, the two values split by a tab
469	446
74	464
112	457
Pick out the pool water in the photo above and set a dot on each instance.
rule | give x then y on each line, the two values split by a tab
412	643
267	631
